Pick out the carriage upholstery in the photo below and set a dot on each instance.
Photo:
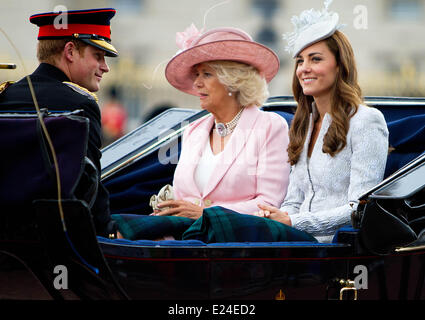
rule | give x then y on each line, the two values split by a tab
27	166
27	170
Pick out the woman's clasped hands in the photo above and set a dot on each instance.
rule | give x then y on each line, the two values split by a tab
273	213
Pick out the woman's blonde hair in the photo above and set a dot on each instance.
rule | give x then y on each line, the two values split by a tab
346	96
243	80
49	50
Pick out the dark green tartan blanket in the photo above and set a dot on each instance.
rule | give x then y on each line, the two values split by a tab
217	224
140	227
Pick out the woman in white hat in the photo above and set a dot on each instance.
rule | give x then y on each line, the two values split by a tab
236	157
338	146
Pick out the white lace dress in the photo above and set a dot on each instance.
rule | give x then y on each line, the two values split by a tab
323	190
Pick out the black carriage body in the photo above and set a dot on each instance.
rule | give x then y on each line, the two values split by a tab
263	273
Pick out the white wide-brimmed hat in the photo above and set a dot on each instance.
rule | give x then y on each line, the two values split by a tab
229	44
311	26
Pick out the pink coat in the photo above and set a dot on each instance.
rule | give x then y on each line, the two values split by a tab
254	167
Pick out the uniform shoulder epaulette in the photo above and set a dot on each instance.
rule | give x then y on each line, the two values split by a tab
81	90
4	85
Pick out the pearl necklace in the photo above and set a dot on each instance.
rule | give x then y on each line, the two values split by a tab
224	129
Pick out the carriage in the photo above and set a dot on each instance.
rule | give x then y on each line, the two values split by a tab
381	255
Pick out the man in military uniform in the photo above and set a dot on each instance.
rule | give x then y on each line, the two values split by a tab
72	63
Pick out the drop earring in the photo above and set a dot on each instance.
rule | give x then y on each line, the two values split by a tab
230	94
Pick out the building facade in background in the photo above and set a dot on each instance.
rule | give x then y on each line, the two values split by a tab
387	37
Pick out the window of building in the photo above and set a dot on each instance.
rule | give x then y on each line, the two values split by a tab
406	9
266	8
128	6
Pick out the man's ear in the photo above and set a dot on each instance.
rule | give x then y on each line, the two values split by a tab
70	51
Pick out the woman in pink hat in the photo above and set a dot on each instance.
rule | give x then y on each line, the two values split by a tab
338	146
235	157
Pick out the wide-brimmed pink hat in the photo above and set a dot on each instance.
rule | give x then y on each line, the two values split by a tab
229	44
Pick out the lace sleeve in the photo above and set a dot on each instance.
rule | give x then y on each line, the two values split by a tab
294	196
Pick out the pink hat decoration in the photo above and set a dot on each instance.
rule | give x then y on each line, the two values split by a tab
184	39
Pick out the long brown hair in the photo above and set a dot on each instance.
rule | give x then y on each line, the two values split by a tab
345	99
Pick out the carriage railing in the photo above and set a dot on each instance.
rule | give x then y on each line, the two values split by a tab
7	66
146	139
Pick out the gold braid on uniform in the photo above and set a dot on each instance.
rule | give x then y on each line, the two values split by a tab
81	90
4	85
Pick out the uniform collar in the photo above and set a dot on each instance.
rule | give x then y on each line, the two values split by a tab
46	69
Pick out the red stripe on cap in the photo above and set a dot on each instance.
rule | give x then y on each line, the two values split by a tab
51	31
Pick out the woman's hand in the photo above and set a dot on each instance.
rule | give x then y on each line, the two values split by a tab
274	214
180	208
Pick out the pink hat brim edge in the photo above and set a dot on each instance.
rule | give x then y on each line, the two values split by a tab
179	69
